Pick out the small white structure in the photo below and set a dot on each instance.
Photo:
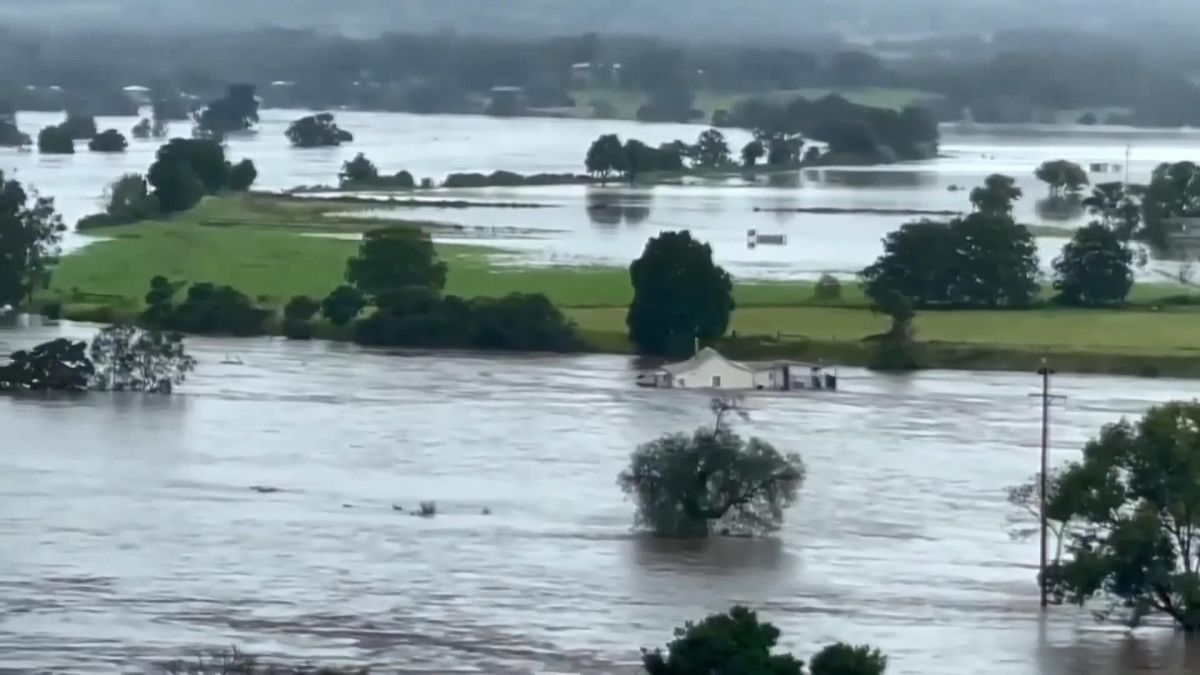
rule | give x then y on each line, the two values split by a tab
709	370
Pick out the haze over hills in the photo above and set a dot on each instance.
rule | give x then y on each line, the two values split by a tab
734	20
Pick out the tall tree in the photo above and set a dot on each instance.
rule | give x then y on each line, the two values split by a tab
752	152
679	295
131	359
996	195
605	157
732	643
315	131
393	258
1095	268
30	232
1061	176
1135	500
712	151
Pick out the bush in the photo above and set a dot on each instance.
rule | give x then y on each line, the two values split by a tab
316	131
828	288
52	310
206	309
127	200
300	308
844	659
55	141
109	140
297	330
358	169
80	127
343	305
242	175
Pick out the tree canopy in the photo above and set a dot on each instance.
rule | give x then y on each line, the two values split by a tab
58	365
679	295
983	259
110	140
316	131
685	486
236	111
55	141
127	358
712	151
606	157
186	169
342	305
358	169
1062	176
393	258
30	232
206	309
1133	501
1095	268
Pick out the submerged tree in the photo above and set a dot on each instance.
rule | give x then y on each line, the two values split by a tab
358	169
55	140
57	365
131	359
30	232
605	157
236	111
1061	176
712	151
109	140
1134	505
687	486
316	131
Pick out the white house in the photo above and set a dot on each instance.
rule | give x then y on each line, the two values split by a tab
709	370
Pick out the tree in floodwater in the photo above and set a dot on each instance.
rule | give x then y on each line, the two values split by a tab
30	231
1025	520
737	643
713	480
57	365
1061	176
1133	505
131	359
314	131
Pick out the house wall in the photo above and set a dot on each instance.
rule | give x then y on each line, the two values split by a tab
701	377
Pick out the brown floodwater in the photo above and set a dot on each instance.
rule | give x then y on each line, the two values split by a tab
129	531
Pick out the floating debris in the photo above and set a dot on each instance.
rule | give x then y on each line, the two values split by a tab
428	510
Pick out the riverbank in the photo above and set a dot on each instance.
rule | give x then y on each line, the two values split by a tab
265	247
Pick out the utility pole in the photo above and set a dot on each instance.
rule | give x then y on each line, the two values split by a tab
1043	475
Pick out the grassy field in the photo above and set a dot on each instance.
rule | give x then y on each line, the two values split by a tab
625	102
259	245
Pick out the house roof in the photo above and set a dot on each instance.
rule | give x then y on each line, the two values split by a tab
703	356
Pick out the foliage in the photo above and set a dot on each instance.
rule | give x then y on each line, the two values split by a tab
844	659
300	308
684	486
206	309
606	157
1135	499
1061	176
126	200
1025	521
1095	268
30	232
981	260
11	136
235	662
55	141
236	111
421	317
358	169
79	127
57	365
131	359
733	643
858	131
242	175
315	131
110	140
712	151
679	295
142	129
752	152
1173	192
392	258
342	305
895	350
827	288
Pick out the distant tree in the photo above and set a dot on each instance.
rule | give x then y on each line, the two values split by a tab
784	149
711	149
241	176
684	486
79	126
55	141
670	156
752	152
358	169
10	135
996	195
392	258
126	200
30	232
1062	176
297	316
679	295
1173	193
1134	499
186	169
57	365
606	157
641	158
317	131
109	140
1095	268
856	69
521	322
131	359
895	350
176	186
209	309
1118	207
142	129
160	300
844	659
236	111
827	288
343	305
734	643
1088	119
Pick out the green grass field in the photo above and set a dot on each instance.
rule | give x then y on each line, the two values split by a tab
259	245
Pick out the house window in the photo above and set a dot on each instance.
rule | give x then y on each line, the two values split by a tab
716	381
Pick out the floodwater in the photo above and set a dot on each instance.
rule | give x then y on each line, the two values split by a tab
610	225
129	530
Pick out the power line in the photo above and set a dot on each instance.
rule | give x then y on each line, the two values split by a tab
1043	476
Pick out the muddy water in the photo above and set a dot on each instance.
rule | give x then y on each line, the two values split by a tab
130	531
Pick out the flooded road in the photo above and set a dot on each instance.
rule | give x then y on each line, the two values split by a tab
129	530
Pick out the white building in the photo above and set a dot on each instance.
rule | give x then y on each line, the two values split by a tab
709	370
